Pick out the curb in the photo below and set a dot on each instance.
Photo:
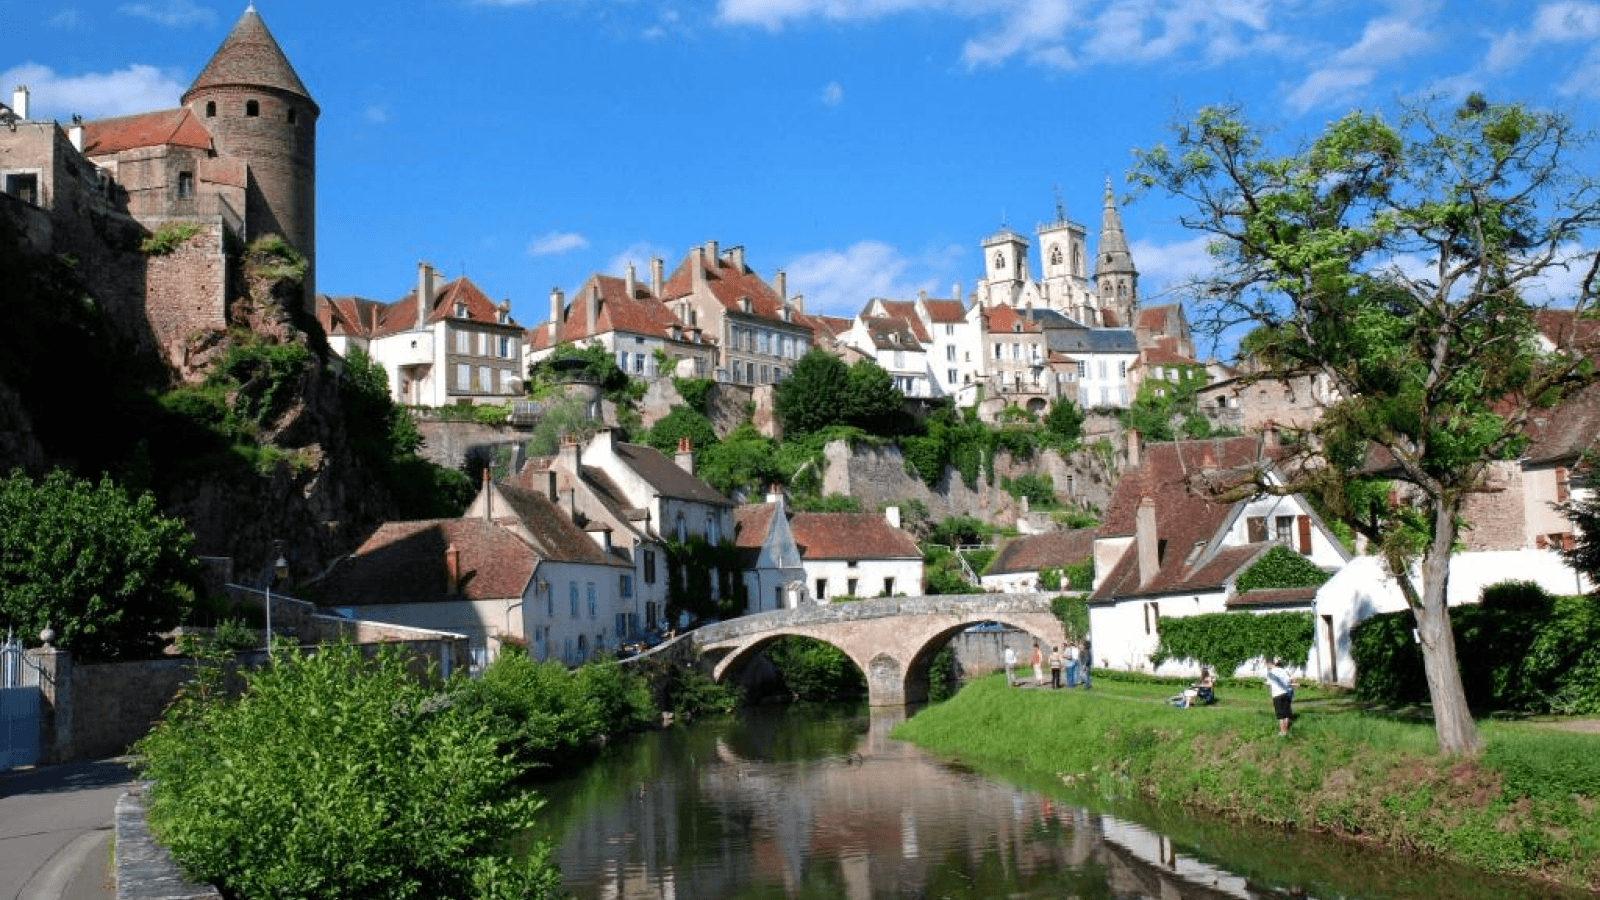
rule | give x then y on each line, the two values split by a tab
144	868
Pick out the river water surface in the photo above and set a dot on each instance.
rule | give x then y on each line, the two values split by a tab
819	802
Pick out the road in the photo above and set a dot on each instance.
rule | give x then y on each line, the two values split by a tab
55	830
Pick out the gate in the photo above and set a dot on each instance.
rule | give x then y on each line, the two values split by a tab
19	706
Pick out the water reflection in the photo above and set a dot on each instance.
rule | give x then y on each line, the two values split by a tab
815	802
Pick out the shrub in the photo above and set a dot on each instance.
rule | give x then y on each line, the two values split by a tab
1280	567
335	776
694	391
169	237
546	714
815	670
1225	641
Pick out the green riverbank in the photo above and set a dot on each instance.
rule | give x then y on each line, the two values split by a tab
1526	806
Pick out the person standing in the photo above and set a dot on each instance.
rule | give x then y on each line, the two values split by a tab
1072	665
1055	667
1282	690
1086	662
1038	665
1010	656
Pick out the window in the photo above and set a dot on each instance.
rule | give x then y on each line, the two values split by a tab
766	342
1122	369
950	376
649	567
1256	529
592	604
1102	370
1016	350
713	529
888	587
252	108
461	311
463	376
950	353
211	109
24	186
550	601
650	614
822	588
291	116
682	529
505	347
185	185
1152	617
1083	370
1155	372
764	373
850	587
463	342
483	343
899	359
997	351
638	364
583	647
749	373
1283	530
622	624
485	378
949	331
572	594
625	587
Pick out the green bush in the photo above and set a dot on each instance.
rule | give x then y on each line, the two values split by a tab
547	715
689	693
816	670
1225	641
694	391
1280	567
336	776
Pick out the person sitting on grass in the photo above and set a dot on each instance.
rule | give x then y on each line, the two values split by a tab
1202	691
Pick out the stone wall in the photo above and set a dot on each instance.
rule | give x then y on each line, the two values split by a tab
451	444
186	292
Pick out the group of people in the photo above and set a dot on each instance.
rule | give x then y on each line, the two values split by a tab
1075	658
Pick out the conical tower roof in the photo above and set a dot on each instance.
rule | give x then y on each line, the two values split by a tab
249	57
1114	256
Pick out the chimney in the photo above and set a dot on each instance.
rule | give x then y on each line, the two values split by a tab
736	256
685	455
452	569
780	284
570	456
631	283
591	309
19	101
75	135
424	292
1133	448
550	486
655	277
892	513
798	301
558	305
697	267
1145	540
774	493
711	253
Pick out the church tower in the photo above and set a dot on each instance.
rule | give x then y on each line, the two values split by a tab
1005	256
257	110
1066	281
1115	278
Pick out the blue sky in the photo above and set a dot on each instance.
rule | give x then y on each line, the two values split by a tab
863	146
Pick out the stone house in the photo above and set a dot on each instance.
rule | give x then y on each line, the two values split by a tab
629	320
773	571
891	334
442	344
1165	549
857	555
760	332
1016	565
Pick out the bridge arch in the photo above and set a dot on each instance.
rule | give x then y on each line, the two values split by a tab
891	640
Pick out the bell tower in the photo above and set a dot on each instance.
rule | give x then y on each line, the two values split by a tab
1005	255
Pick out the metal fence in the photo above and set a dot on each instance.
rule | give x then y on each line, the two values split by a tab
19	706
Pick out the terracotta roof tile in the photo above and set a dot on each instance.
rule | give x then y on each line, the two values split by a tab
406	562
1288	597
728	282
851	536
905	312
1039	551
168	127
666	477
945	311
1003	319
751	522
554	535
639	314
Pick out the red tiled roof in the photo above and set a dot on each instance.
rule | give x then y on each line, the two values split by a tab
249	57
850	536
1300	596
1163	354
891	334
555	536
616	311
401	315
1039	551
905	312
405	562
730	284
666	477
945	311
1560	325
166	128
751	522
1566	430
1002	319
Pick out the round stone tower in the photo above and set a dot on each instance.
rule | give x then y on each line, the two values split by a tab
258	111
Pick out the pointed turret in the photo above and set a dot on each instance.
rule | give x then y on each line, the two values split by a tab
250	58
256	109
1115	277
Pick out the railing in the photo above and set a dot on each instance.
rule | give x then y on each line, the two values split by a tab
16	670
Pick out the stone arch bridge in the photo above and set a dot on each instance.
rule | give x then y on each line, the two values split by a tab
891	639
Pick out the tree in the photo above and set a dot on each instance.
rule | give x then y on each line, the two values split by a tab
682	422
813	396
1064	423
108	572
873	403
1396	260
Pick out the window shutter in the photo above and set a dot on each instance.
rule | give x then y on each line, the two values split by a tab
1305	535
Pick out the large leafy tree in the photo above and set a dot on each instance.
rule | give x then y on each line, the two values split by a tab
1398	261
823	391
108	572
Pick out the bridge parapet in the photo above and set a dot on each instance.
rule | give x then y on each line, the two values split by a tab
891	639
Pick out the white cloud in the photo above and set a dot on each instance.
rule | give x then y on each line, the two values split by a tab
376	114
171	13
1328	87
67	18
137	88
1383	42
774	14
840	282
1552	23
832	94
1165	268
557	242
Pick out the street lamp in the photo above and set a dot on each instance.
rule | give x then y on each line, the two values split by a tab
279	569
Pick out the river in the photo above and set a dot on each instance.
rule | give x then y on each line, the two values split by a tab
819	802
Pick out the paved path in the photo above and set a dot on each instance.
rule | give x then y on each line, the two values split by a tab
55	830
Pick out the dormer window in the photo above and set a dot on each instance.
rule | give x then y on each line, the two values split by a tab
461	310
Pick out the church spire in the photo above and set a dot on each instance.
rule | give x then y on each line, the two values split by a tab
1115	277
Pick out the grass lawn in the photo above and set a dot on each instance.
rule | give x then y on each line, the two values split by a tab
1526	805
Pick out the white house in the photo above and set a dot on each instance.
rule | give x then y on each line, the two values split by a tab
1017	564
1166	550
774	575
857	555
